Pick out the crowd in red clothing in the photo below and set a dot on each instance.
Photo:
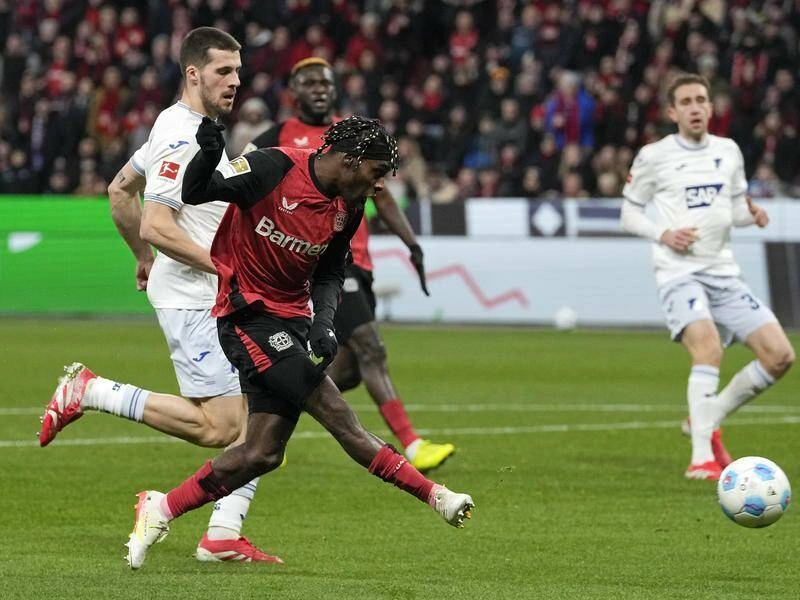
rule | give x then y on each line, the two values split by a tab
488	97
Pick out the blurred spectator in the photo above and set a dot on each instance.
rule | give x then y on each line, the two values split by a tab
456	138
107	104
721	122
765	183
488	183
18	178
569	113
511	128
413	168
609	185
353	100
15	59
523	36
572	186
508	171
506	86
465	37
482	151
253	121
530	184
467	183
441	189
365	39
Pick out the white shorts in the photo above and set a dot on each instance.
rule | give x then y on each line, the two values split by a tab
202	369
727	301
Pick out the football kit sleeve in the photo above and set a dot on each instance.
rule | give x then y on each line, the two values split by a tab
741	212
139	158
243	181
638	191
164	170
329	274
326	286
641	184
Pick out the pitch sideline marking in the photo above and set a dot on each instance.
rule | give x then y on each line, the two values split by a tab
554	428
465	408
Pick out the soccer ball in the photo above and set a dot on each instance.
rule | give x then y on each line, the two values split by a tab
753	491
565	318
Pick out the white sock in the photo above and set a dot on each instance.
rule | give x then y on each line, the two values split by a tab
411	449
744	386
230	512
121	399
704	410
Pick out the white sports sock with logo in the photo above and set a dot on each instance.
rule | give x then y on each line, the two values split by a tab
230	512
704	410
743	387
121	399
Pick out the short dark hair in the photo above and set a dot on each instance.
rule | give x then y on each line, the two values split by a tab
360	138
685	79
197	43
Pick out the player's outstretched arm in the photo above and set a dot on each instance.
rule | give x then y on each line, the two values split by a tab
126	212
398	224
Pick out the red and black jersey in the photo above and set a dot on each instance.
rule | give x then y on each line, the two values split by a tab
281	236
294	133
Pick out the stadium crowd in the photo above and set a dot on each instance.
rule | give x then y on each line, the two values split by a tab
487	97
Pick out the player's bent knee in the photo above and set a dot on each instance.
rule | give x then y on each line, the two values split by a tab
214	435
707	355
777	363
372	355
258	462
346	379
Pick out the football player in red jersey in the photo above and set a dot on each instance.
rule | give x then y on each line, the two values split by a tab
362	355
283	241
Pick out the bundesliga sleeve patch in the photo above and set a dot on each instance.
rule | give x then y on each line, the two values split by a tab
169	170
238	166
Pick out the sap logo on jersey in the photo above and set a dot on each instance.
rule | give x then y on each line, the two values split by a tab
699	196
169	170
266	228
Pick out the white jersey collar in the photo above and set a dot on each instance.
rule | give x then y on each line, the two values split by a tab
690	144
186	106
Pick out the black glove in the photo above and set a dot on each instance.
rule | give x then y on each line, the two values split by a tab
416	260
209	136
323	342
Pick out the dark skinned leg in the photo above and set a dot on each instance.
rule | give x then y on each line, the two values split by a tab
262	451
344	369
328	407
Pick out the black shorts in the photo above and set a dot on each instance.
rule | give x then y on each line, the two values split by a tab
358	302
270	353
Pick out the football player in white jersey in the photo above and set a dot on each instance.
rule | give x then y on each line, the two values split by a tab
697	183
181	285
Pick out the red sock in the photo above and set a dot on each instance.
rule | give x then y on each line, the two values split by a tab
394	468
396	418
201	488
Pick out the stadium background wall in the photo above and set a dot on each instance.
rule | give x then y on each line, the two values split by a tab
498	261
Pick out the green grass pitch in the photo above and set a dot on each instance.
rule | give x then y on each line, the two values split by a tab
569	444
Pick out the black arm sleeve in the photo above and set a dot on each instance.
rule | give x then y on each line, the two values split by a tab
269	138
243	181
329	276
